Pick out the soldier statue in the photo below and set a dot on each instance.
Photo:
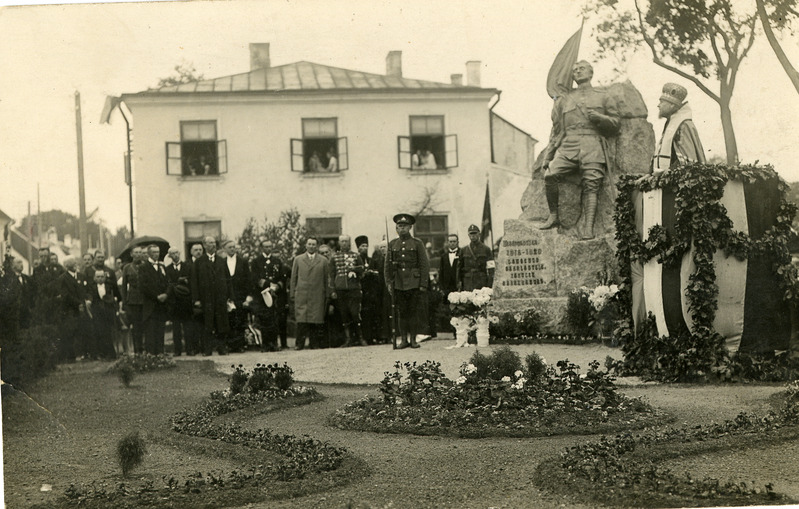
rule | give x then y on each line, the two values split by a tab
580	121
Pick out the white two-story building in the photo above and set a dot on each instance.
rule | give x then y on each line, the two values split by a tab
210	154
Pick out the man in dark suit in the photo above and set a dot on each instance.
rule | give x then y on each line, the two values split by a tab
132	300
155	292
269	272
98	264
104	306
27	298
450	269
178	274
70	290
210	291
372	287
237	271
45	276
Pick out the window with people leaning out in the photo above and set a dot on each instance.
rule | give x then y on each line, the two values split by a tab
428	147
320	150
199	153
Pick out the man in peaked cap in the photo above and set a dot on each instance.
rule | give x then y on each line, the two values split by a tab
477	262
679	143
407	271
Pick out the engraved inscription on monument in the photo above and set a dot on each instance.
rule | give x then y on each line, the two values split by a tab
523	264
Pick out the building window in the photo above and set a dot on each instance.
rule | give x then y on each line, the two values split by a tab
196	231
320	150
432	230
325	229
428	147
199	152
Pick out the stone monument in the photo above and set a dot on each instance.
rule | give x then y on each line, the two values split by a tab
539	268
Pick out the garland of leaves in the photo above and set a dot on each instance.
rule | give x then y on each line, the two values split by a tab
702	223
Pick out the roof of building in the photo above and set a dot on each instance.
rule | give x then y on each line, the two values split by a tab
307	76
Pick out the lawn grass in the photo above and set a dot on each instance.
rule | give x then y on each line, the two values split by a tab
64	432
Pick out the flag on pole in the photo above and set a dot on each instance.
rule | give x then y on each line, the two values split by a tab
486	228
559	79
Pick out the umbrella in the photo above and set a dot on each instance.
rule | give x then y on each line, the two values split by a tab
144	241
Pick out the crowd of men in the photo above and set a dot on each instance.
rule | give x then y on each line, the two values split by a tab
216	300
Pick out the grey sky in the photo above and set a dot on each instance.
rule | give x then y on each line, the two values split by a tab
48	52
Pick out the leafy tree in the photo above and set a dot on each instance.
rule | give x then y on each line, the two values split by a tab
780	18
288	233
702	41
184	73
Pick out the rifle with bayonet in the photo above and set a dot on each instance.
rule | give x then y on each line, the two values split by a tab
393	314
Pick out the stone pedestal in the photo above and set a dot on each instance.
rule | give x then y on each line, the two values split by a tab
539	268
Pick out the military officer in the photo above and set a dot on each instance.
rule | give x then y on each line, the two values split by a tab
407	275
477	263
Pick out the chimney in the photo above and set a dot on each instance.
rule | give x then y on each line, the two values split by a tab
394	64
259	55
473	73
456	79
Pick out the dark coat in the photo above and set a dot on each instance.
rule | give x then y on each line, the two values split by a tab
449	275
477	262
210	287
241	283
71	294
152	284
180	289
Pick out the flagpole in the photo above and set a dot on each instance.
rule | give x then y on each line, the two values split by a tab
488	192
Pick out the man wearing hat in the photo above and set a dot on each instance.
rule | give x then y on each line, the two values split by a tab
679	143
477	263
372	287
576	150
407	276
346	271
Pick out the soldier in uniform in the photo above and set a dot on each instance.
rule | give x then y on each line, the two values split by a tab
580	119
407	275
477	263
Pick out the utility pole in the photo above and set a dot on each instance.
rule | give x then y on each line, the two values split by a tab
38	218
30	240
84	239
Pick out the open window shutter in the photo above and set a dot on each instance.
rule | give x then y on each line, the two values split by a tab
404	152
343	156
174	161
451	148
297	157
221	156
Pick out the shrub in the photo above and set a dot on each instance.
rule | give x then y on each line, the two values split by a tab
501	363
264	377
579	312
130	452
513	325
238	379
30	357
126	374
536	366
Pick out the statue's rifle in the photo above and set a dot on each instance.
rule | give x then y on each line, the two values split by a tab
393	311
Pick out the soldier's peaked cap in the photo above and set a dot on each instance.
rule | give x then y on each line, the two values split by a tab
674	93
473	229
404	219
361	239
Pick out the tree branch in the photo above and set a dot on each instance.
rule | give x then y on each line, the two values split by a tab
790	70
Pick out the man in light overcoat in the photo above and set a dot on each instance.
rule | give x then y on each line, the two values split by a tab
310	291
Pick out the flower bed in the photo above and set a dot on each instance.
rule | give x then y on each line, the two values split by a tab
627	469
143	362
496	396
266	456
